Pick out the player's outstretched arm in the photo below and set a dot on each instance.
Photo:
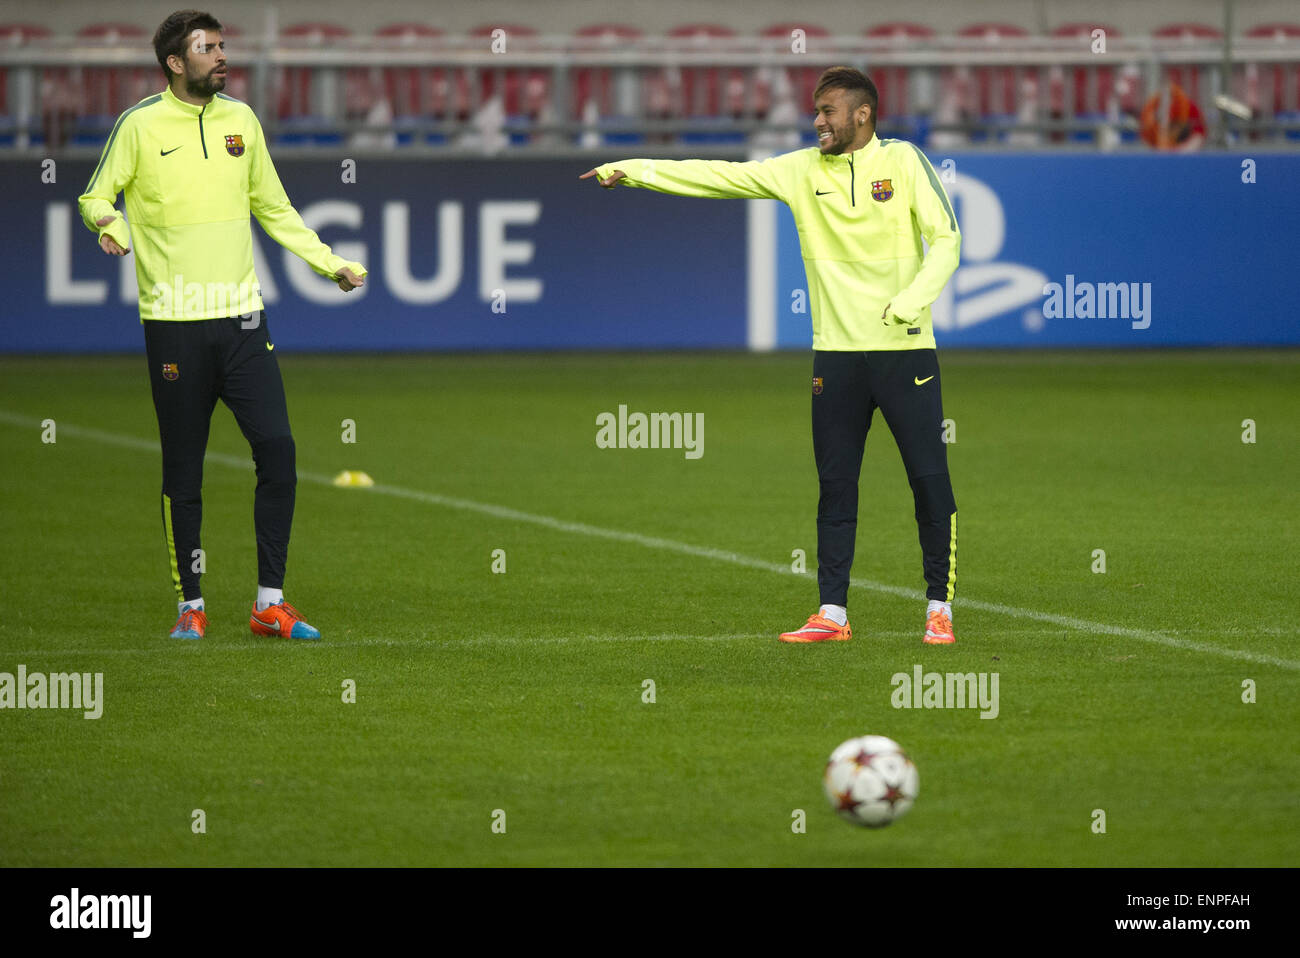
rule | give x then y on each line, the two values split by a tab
712	179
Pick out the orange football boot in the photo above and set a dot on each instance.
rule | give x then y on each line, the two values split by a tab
819	629
191	625
938	629
281	620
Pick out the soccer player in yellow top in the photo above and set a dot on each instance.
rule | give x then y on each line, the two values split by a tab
862	206
194	164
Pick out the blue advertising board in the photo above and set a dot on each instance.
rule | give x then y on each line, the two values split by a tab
462	254
501	254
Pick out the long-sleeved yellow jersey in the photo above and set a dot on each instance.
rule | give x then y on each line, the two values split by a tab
860	216
192	175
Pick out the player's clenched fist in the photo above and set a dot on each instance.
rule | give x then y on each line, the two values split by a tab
608	182
348	280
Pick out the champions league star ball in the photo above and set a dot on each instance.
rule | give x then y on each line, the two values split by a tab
870	781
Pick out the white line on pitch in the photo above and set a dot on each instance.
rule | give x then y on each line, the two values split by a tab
246	642
441	645
685	548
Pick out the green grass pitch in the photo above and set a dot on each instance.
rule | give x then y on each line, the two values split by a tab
522	691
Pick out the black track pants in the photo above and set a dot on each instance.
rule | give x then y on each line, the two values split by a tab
192	364
848	387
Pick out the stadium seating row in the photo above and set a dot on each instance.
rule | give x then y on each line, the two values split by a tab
79	103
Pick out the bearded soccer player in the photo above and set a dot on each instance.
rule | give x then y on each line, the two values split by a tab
193	164
862	206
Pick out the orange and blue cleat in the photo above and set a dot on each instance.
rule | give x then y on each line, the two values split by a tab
282	620
819	629
938	629
191	625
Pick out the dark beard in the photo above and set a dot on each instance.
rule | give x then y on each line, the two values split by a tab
205	87
839	145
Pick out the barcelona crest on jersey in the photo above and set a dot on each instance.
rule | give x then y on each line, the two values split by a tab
235	144
171	371
881	190
817	385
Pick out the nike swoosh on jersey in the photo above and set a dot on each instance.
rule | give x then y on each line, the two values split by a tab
172	150
921	382
270	346
822	192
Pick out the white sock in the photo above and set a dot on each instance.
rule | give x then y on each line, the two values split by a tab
944	607
836	613
190	604
268	597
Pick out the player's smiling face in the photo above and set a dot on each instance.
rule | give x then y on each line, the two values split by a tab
205	63
837	121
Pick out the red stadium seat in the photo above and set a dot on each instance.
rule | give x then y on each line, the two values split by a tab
600	85
13	35
106	92
18	34
1084	93
802	79
49	91
1187	76
420	94
995	89
1272	90
294	84
892	82
524	91
1188	31
419	91
707	91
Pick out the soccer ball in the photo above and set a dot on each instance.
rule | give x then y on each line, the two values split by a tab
870	781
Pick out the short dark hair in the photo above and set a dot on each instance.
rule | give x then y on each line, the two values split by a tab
172	38
852	81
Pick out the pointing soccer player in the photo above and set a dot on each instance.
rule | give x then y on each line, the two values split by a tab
193	164
862	206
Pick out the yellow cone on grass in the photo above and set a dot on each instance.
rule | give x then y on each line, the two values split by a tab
354	480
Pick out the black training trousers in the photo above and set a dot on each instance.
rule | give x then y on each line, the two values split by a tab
903	384
192	364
